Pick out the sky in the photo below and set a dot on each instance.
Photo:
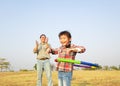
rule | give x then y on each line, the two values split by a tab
94	24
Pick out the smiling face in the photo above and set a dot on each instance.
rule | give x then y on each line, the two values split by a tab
64	40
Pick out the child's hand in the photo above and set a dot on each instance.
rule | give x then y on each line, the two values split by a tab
82	49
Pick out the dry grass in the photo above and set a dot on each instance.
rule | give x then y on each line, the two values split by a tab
80	78
96	78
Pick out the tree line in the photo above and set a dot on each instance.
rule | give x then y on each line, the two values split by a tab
5	66
80	68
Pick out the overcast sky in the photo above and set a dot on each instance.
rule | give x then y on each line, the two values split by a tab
94	24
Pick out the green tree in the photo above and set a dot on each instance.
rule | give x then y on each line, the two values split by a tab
119	67
106	67
4	64
114	68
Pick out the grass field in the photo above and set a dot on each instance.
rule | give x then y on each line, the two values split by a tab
80	78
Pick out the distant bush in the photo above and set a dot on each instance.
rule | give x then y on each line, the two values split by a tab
23	70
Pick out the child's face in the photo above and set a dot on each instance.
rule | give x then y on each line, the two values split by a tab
64	40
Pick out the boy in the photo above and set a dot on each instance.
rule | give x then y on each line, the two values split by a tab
67	51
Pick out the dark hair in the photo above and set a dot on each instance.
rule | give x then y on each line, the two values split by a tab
42	35
67	33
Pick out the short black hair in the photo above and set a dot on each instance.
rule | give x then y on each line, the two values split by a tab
67	33
42	35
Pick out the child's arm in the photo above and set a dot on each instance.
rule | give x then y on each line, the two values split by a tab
54	51
49	49
79	49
